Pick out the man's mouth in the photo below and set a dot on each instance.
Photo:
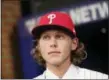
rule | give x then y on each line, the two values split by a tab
54	52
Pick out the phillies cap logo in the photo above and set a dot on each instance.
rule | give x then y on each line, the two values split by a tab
51	17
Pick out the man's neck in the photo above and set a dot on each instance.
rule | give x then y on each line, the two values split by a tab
59	70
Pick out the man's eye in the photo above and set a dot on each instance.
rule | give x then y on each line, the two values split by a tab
59	36
46	37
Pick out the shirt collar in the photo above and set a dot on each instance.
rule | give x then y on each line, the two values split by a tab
71	73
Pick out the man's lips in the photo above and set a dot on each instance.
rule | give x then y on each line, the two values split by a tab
54	52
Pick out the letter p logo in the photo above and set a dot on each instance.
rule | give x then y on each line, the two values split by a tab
51	17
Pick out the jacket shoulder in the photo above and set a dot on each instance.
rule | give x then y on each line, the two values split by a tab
93	74
39	77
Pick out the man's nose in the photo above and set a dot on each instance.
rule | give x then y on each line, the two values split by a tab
53	42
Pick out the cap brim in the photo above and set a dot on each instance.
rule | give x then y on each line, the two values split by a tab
37	31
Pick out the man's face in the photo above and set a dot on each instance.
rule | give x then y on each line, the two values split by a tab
55	46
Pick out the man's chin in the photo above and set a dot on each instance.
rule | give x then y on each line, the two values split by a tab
55	63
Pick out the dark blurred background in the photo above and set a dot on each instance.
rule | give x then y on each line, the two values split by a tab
14	66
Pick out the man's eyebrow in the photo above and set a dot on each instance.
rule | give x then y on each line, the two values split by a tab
44	34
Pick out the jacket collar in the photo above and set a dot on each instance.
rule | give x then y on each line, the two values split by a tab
71	73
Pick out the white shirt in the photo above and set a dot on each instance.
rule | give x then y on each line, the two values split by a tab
74	72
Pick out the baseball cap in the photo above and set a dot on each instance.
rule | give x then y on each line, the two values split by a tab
54	20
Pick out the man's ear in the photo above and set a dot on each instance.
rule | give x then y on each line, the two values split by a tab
74	43
38	47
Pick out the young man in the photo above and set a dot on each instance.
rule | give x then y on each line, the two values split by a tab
58	49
